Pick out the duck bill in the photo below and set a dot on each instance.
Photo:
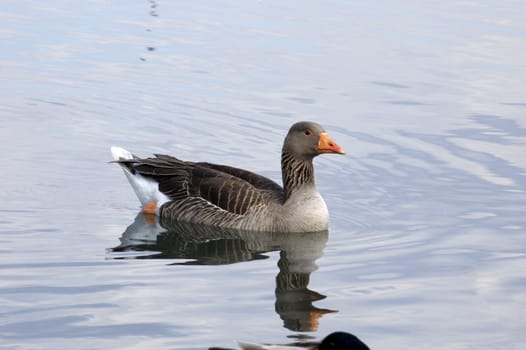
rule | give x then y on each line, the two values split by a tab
327	145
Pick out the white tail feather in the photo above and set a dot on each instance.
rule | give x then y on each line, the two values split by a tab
120	153
147	190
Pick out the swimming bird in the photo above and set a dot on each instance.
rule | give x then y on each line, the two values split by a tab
229	197
334	341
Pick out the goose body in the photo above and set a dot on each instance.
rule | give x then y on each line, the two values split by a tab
225	196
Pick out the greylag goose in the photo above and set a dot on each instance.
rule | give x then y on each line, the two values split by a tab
224	196
334	341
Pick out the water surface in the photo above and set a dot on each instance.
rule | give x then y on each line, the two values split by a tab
426	248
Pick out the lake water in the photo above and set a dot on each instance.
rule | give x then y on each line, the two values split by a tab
427	244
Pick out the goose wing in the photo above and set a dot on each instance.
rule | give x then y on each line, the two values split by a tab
256	180
231	189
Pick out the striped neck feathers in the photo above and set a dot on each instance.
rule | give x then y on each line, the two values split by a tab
296	172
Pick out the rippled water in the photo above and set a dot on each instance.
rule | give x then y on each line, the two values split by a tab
427	243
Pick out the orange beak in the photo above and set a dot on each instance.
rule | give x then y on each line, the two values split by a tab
326	145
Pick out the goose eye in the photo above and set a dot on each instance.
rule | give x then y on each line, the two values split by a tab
308	132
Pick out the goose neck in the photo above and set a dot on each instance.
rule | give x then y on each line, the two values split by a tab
296	173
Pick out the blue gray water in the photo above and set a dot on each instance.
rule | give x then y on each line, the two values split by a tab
427	244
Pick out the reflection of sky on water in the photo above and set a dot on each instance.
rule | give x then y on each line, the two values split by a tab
426	243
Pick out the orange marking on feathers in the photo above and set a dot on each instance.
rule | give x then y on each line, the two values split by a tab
149	218
149	208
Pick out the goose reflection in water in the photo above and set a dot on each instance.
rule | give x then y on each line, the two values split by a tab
205	245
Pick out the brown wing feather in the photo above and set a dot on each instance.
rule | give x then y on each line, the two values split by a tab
229	193
256	180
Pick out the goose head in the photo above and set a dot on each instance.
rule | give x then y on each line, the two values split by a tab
306	140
